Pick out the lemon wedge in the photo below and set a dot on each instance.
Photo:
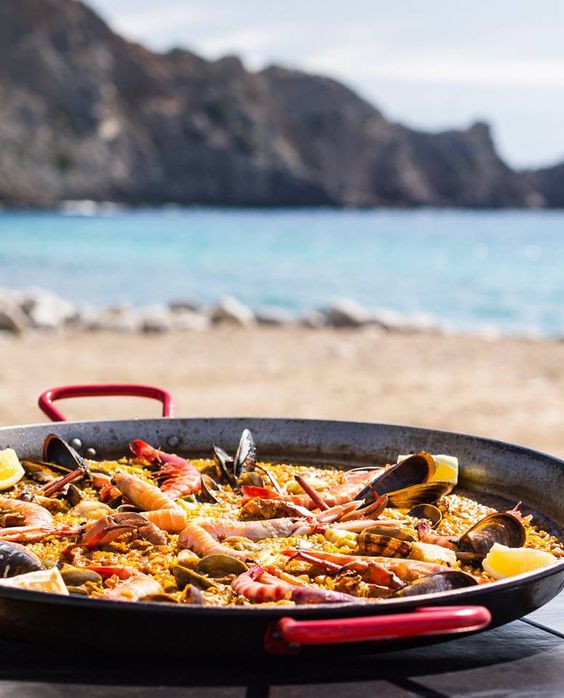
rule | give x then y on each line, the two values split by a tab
446	468
11	470
503	562
41	580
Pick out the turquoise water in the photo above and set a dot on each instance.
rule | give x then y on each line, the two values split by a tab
468	269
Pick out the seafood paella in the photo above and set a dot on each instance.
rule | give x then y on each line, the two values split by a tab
230	530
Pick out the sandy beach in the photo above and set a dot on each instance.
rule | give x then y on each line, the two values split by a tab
505	388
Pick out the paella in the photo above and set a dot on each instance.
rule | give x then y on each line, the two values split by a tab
232	530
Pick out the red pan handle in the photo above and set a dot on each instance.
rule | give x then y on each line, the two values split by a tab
287	636
47	398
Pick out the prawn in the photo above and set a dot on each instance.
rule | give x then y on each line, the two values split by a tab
340	494
260	585
135	586
204	537
405	569
156	505
24	521
113	526
179	476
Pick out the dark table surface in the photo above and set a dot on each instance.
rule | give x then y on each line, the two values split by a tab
523	658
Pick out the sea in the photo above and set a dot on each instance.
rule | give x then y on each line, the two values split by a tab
464	270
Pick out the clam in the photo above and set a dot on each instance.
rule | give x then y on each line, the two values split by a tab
386	541
414	470
424	493
246	455
184	576
427	511
500	527
220	566
438	582
16	559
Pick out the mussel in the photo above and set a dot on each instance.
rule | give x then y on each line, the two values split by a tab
185	575
427	511
17	559
386	541
56	451
246	455
414	470
438	582
499	527
209	489
224	463
424	493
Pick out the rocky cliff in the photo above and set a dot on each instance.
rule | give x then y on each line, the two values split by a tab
85	114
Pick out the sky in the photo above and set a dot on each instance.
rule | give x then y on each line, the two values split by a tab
431	64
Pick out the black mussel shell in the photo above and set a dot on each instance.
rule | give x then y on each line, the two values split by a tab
427	511
414	470
500	527
57	451
209	489
185	575
73	495
16	559
438	582
246	456
424	493
224	463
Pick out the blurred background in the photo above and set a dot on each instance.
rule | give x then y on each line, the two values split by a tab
323	209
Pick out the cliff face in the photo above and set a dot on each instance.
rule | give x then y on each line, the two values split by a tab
85	114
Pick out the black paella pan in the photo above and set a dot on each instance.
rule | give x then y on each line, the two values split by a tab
486	467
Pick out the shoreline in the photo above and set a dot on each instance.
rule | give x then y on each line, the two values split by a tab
39	310
507	389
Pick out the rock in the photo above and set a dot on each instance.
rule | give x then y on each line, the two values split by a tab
347	313
46	310
178	306
394	321
274	317
314	319
108	320
230	310
12	319
188	321
156	319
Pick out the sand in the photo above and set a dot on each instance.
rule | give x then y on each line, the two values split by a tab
505	388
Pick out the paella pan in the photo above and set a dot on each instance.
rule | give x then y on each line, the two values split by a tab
284	532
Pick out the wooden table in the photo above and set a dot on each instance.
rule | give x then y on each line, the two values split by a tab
524	658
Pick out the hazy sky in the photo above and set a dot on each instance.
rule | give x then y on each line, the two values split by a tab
432	64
